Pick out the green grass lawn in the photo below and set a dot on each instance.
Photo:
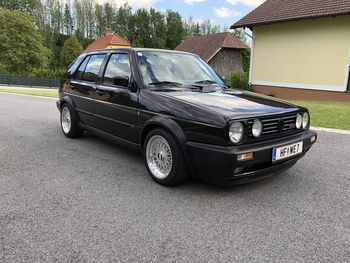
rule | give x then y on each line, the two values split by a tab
328	114
323	114
34	92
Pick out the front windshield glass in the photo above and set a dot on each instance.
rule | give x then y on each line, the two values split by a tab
159	67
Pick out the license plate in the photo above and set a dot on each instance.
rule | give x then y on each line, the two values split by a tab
287	151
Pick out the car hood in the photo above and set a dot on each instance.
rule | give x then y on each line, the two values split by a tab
235	103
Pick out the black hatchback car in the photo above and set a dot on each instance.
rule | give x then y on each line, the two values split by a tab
174	109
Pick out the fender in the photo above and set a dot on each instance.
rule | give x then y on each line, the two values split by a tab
174	129
66	99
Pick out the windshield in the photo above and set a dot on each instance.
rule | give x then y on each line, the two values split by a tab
159	67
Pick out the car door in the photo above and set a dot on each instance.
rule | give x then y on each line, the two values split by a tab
116	103
82	87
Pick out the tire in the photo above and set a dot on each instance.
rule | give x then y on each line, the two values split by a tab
70	122
164	160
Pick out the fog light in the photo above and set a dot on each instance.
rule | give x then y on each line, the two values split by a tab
313	139
245	156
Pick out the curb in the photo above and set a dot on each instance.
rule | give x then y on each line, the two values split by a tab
330	130
27	95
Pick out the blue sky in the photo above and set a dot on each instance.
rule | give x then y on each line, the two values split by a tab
220	12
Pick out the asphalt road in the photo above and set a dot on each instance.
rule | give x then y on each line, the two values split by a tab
86	200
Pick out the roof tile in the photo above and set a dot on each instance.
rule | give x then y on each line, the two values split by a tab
108	39
275	11
207	46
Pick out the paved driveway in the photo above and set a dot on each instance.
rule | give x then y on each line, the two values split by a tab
85	200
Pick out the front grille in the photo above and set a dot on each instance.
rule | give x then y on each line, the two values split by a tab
275	125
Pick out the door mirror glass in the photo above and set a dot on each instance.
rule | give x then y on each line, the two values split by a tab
122	81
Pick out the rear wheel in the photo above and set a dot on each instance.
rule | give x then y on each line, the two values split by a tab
164	159
70	122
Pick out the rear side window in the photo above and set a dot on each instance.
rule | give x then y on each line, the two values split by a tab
90	68
118	66
81	69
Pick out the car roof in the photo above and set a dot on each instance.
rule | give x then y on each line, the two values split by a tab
138	50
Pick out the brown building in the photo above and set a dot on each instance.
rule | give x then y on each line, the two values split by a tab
108	40
221	51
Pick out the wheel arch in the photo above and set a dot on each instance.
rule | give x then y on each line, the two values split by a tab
66	99
174	129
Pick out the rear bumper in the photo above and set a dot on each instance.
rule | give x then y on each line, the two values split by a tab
58	105
218	164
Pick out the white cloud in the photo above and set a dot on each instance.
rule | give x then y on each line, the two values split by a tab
191	2
246	2
223	12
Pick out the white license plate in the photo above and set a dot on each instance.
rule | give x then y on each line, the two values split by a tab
287	151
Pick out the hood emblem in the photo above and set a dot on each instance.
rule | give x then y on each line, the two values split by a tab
281	125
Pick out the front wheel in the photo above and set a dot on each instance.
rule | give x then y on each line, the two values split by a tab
70	122
164	159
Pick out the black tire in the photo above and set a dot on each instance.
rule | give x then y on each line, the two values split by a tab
75	130
179	172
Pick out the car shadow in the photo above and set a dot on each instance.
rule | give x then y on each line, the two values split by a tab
193	185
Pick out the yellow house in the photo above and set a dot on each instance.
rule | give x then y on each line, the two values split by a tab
300	49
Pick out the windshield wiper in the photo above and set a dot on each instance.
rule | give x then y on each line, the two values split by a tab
169	83
207	81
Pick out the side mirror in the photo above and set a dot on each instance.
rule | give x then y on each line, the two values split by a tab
133	87
122	81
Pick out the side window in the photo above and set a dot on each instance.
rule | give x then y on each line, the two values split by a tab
93	67
118	66
81	69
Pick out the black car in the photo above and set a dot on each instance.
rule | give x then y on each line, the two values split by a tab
174	109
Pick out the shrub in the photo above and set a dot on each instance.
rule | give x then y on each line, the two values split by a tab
47	73
238	79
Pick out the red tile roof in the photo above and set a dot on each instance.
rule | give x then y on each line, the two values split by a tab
276	11
208	46
108	39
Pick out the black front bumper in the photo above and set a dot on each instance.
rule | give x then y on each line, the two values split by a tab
218	164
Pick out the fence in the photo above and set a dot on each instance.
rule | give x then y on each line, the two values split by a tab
29	82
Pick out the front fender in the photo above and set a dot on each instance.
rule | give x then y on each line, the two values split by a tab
174	129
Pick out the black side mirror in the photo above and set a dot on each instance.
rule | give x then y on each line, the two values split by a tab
133	87
122	81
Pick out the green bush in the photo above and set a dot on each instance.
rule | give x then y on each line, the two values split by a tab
47	73
245	57
238	80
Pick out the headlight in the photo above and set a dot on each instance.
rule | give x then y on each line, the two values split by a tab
306	120
257	128
236	132
299	121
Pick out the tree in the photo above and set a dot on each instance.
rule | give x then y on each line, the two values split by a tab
158	29
21	45
20	5
100	20
70	51
68	20
240	33
174	29
109	15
